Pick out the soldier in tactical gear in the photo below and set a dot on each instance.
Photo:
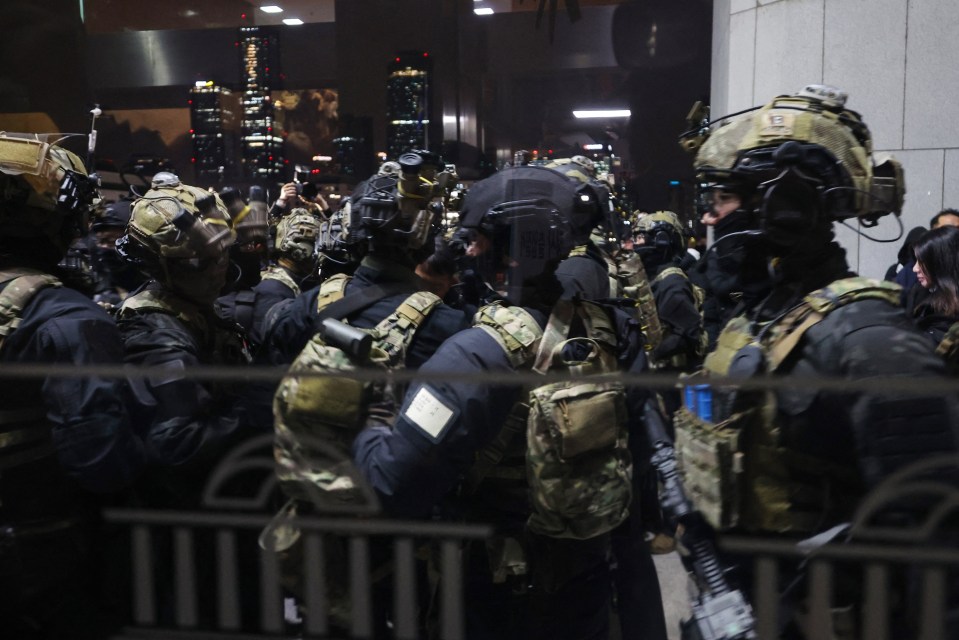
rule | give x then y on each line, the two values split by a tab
593	273
387	228
293	269
658	239
251	221
390	227
587	269
62	440
796	165
459	448
180	236
115	278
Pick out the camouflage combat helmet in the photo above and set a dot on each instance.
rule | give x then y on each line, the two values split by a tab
592	196
297	234
577	167
814	136
651	221
180	235
251	220
663	236
389	168
46	190
175	220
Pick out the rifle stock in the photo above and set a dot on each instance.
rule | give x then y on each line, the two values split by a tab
719	612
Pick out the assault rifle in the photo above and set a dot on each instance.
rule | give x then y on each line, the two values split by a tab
719	612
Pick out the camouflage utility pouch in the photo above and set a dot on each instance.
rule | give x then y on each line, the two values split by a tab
738	470
324	560
712	465
577	463
328	406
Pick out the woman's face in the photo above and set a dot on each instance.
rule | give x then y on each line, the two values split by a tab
921	275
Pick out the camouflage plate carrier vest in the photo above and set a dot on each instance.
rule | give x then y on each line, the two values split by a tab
577	464
24	432
635	285
316	417
627	279
699	297
737	471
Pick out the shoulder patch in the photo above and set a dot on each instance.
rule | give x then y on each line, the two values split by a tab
430	413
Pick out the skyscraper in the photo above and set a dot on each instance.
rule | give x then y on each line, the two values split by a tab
262	146
408	103
213	132
354	149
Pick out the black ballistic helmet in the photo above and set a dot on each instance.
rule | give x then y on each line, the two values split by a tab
532	218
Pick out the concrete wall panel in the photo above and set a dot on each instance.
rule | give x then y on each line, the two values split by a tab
719	68
742	44
789	39
852	242
950	180
871	69
932	75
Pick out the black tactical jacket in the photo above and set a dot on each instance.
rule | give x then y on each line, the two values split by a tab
91	444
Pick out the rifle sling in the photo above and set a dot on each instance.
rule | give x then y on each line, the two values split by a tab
359	300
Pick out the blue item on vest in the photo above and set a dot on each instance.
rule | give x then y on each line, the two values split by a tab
699	400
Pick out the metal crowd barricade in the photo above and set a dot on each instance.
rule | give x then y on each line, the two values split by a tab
878	555
176	609
169	543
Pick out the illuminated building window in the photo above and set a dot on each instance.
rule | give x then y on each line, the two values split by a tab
408	103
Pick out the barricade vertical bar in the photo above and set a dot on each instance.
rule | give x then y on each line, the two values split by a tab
186	593
271	600
314	587
875	614
767	597
933	603
451	590
819	597
404	588
228	580
360	588
144	589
